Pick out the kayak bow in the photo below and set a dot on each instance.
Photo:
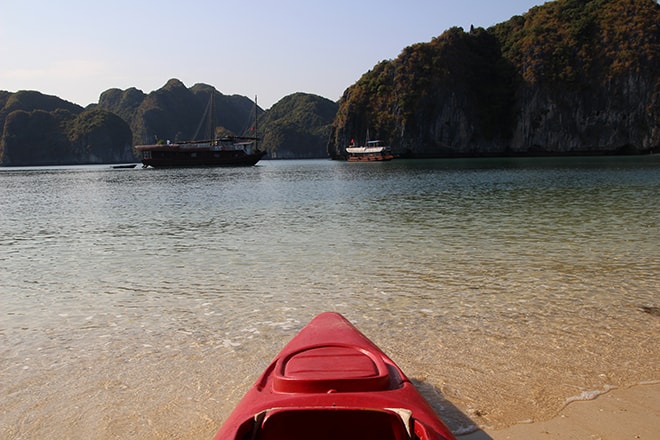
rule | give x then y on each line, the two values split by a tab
331	382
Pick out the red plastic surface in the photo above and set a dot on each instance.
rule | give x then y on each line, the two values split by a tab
326	369
330	372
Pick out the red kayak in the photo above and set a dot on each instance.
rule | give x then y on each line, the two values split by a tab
331	382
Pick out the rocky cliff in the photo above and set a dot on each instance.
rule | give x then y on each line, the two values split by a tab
568	77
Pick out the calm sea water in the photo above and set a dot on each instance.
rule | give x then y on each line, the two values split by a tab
143	303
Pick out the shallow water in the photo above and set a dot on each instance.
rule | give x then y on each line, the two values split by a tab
143	303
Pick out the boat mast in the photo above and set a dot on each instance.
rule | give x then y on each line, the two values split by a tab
256	134
212	116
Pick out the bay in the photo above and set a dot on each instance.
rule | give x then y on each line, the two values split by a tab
142	303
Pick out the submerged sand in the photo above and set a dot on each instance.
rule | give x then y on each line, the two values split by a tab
632	413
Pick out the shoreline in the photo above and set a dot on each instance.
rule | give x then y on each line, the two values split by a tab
623	413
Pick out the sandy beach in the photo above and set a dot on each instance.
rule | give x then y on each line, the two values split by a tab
632	413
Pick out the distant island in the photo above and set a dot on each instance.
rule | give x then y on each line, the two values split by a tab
567	77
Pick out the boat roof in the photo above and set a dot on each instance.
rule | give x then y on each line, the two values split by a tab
365	149
236	140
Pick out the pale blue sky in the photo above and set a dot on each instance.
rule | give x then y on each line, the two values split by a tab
76	49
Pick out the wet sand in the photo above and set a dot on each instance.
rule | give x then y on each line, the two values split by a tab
632	413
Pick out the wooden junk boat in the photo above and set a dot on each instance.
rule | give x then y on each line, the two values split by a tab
331	382
226	151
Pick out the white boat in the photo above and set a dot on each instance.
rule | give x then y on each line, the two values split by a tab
372	151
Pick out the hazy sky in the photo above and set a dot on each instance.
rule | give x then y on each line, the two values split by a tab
76	49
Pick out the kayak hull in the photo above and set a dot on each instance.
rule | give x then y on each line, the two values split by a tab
331	382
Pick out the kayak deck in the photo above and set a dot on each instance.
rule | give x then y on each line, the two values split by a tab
330	368
332	382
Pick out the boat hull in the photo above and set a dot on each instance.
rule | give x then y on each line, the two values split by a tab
127	166
370	157
332	382
173	157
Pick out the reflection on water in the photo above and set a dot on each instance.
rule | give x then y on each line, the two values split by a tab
143	303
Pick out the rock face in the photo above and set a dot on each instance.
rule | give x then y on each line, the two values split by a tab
619	118
45	130
568	77
589	75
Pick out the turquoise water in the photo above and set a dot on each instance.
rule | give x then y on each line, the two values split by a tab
142	303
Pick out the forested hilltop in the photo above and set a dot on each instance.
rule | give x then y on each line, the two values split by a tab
298	127
40	129
568	77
